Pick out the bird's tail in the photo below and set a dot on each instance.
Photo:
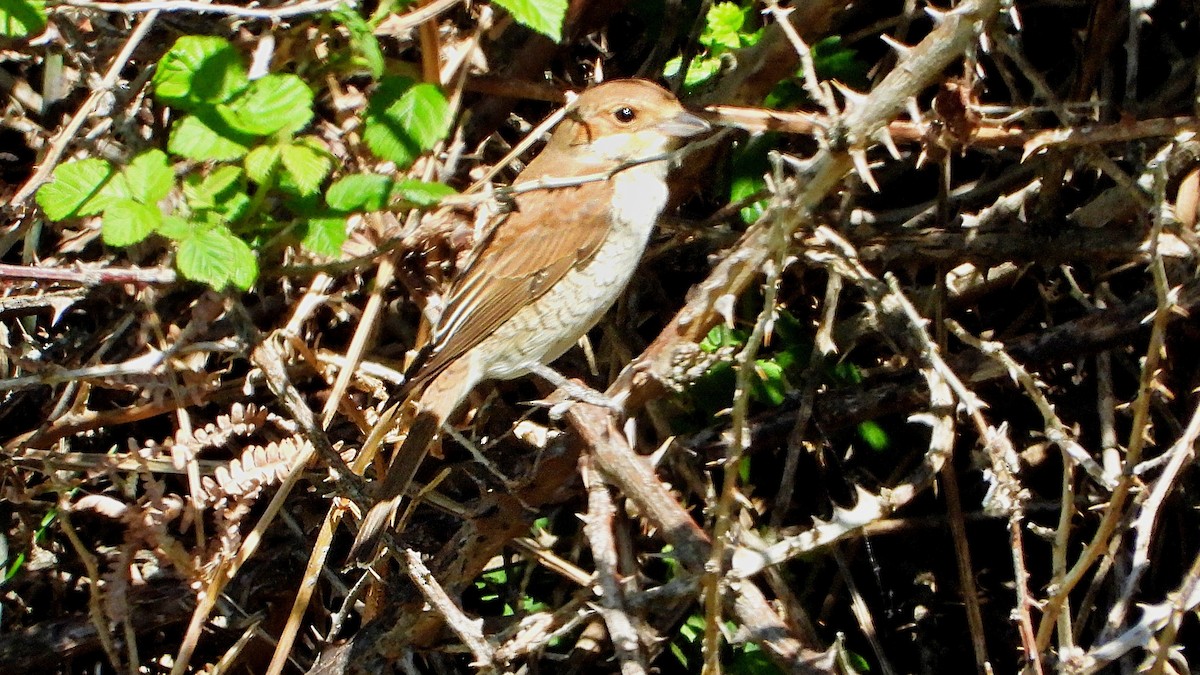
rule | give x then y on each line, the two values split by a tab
399	476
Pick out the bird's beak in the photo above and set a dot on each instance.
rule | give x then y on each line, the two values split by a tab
684	125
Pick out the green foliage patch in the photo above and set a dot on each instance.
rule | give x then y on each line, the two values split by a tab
253	176
22	18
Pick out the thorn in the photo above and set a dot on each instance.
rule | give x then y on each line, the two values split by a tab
985	43
801	166
914	110
938	16
852	97
863	168
902	50
724	306
862	495
845	518
922	158
884	136
1015	18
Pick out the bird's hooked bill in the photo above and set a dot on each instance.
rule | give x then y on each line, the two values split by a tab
684	125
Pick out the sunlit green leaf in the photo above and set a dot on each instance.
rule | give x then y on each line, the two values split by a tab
127	222
269	104
421	193
214	256
199	69
149	176
362	39
404	119
73	189
359	192
723	26
771	387
325	236
873	435
176	228
21	18
208	192
261	163
196	138
222	193
543	16
307	163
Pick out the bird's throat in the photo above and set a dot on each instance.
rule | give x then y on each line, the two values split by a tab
638	199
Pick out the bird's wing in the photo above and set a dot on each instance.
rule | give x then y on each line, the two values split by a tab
525	255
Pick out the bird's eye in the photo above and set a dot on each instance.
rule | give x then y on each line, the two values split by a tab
624	114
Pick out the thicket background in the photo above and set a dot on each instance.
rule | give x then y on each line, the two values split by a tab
911	367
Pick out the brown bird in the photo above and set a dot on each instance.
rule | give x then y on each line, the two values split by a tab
549	270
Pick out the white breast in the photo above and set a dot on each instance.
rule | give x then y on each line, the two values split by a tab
542	331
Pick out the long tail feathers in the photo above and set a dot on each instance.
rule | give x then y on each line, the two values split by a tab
399	476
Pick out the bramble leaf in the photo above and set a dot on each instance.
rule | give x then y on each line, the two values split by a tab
307	163
216	257
126	222
421	193
543	16
404	119
218	187
359	192
723	26
20	18
149	176
325	236
362	39
261	163
176	228
269	104
195	138
78	189
197	70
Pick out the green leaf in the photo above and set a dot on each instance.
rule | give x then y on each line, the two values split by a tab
720	336
359	192
835	61
149	176
218	187
19	18
325	236
420	193
373	192
700	70
847	373
745	186
749	660
198	70
196	138
75	189
543	16
304	205
216	257
222	194
771	386
873	435
176	228
127	222
750	164
404	119
261	163
362	39
269	104
307	163
723	26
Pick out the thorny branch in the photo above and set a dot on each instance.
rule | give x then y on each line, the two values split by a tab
1060	254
